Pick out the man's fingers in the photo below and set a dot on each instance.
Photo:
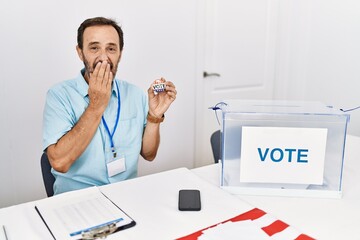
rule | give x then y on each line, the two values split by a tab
106	77
110	78
169	83
101	74
94	74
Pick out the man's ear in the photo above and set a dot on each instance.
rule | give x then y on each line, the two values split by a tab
79	52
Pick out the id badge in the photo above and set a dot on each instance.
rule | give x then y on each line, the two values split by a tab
116	164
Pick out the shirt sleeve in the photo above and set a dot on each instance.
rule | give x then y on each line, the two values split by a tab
57	118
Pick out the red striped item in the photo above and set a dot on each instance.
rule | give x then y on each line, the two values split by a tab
275	227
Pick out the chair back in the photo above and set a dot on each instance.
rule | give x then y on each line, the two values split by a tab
48	177
215	141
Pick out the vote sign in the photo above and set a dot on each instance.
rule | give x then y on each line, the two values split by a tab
283	155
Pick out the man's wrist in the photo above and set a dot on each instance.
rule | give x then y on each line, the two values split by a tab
154	119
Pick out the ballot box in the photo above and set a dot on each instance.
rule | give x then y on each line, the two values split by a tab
284	148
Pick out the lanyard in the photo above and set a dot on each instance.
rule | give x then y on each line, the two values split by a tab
111	135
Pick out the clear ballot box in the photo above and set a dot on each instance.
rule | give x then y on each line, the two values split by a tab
283	148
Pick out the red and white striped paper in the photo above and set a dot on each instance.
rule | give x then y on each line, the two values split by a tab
274	228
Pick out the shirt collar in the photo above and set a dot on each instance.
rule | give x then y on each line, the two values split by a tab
83	87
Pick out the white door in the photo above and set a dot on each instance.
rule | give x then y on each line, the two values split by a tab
238	49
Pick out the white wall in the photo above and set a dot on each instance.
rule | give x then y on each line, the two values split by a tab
319	54
38	40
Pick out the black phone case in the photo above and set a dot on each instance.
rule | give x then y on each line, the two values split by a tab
189	200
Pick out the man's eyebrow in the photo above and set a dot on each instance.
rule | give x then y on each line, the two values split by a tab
112	44
93	43
109	44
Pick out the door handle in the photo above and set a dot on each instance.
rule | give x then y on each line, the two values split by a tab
206	74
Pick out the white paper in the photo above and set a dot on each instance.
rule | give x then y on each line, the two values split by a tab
248	229
70	213
234	231
283	155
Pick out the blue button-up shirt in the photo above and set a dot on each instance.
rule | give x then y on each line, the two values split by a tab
66	102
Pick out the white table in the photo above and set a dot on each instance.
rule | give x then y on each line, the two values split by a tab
152	202
320	218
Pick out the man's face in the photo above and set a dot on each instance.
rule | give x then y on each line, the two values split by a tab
100	43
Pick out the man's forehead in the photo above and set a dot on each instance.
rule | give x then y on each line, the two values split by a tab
102	34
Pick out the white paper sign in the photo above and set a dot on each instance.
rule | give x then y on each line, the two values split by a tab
283	155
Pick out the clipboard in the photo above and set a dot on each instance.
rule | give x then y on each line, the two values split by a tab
84	214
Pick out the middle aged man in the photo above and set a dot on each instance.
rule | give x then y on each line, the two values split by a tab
95	126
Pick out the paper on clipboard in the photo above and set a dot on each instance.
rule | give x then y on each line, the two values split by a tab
69	215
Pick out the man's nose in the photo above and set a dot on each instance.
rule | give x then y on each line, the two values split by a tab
103	56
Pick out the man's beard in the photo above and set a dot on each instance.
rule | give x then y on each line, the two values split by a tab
90	69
